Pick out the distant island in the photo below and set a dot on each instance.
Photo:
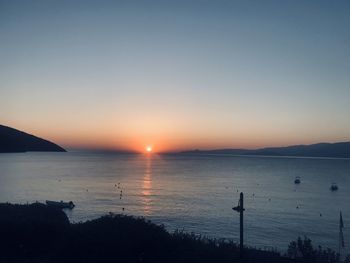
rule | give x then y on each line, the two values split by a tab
12	140
332	150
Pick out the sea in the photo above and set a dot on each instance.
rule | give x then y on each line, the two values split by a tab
193	193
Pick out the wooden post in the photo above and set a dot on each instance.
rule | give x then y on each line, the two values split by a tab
240	209
241	225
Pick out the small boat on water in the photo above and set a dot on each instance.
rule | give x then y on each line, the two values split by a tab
297	180
333	187
61	204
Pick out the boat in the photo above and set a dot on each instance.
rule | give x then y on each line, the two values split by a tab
61	204
334	187
297	180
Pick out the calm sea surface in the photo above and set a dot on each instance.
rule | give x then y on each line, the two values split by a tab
193	193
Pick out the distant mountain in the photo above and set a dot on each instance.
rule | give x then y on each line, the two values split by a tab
335	150
12	140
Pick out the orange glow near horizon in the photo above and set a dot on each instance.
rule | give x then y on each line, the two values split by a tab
149	149
161	137
99	85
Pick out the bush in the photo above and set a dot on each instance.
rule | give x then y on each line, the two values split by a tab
40	234
302	249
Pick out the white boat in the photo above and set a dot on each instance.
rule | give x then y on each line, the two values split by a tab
61	204
297	180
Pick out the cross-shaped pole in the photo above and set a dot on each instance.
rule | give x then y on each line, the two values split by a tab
240	209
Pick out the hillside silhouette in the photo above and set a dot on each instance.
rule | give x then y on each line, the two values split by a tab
12	140
333	150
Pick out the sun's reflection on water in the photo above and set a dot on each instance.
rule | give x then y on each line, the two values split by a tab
147	187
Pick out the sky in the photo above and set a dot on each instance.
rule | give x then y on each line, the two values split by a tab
176	75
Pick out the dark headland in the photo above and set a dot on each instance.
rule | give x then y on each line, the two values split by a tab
331	150
12	140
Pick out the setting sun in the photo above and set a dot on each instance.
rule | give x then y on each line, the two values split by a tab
149	149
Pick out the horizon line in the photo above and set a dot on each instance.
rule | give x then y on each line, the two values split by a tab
125	151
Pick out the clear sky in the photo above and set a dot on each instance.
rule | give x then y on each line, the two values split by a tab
176	74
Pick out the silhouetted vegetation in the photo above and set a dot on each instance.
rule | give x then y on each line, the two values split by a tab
303	249
37	233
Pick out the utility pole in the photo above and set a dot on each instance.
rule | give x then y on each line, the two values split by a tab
240	210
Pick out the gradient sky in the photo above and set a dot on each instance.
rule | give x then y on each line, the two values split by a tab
176	74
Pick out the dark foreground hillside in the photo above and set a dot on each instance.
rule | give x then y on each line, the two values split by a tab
37	233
